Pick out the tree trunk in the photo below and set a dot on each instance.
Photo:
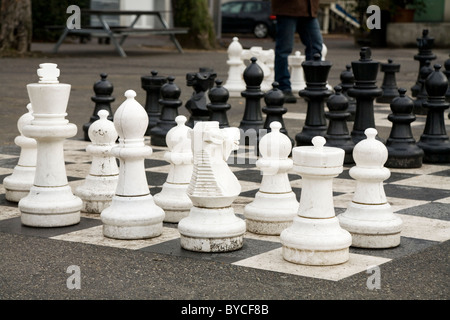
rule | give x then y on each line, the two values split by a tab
15	25
194	14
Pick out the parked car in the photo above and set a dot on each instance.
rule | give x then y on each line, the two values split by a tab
248	17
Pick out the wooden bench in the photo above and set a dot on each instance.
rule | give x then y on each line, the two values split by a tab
118	34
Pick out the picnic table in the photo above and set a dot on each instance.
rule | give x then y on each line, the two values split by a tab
118	34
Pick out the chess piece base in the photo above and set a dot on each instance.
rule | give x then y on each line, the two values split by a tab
319	242
18	184
174	200
132	218
97	193
211	230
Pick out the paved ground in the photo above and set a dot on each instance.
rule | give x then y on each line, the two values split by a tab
34	267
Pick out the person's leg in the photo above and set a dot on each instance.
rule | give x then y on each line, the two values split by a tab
284	43
310	35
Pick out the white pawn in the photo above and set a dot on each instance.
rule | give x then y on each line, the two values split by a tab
275	205
18	184
100	184
369	217
297	77
235	83
211	225
173	198
133	213
315	236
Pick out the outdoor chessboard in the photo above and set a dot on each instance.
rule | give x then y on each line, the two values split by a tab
421	197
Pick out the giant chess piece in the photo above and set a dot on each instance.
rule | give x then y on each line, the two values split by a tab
422	96
212	225
170	94
275	205
424	45
315	93
201	82
18	184
152	86
132	213
100	184
218	106
262	56
389	86
447	73
348	81
364	91
173	198
252	120
103	99
402	149
50	202
434	141
295	65
369	217
315	236
337	133
274	109
235	82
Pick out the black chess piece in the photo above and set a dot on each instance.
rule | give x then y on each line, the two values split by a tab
364	91
337	133
152	86
170	103
422	96
274	109
252	121
447	73
424	45
218	106
389	86
403	151
434	141
315	93
201	82
347	82
103	99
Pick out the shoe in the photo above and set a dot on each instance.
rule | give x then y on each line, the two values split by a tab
289	97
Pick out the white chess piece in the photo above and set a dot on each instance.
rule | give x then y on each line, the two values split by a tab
133	213
275	205
173	198
297	77
369	216
50	202
315	236
18	184
235	82
212	225
100	184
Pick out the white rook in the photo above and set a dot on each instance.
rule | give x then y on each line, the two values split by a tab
369	216
18	184
315	237
100	184
50	202
275	205
133	213
173	198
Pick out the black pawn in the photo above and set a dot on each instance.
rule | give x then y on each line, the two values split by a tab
169	111
389	86
337	134
274	110
103	99
152	86
364	91
252	121
424	44
422	96
218	105
403	151
316	92
347	82
434	140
